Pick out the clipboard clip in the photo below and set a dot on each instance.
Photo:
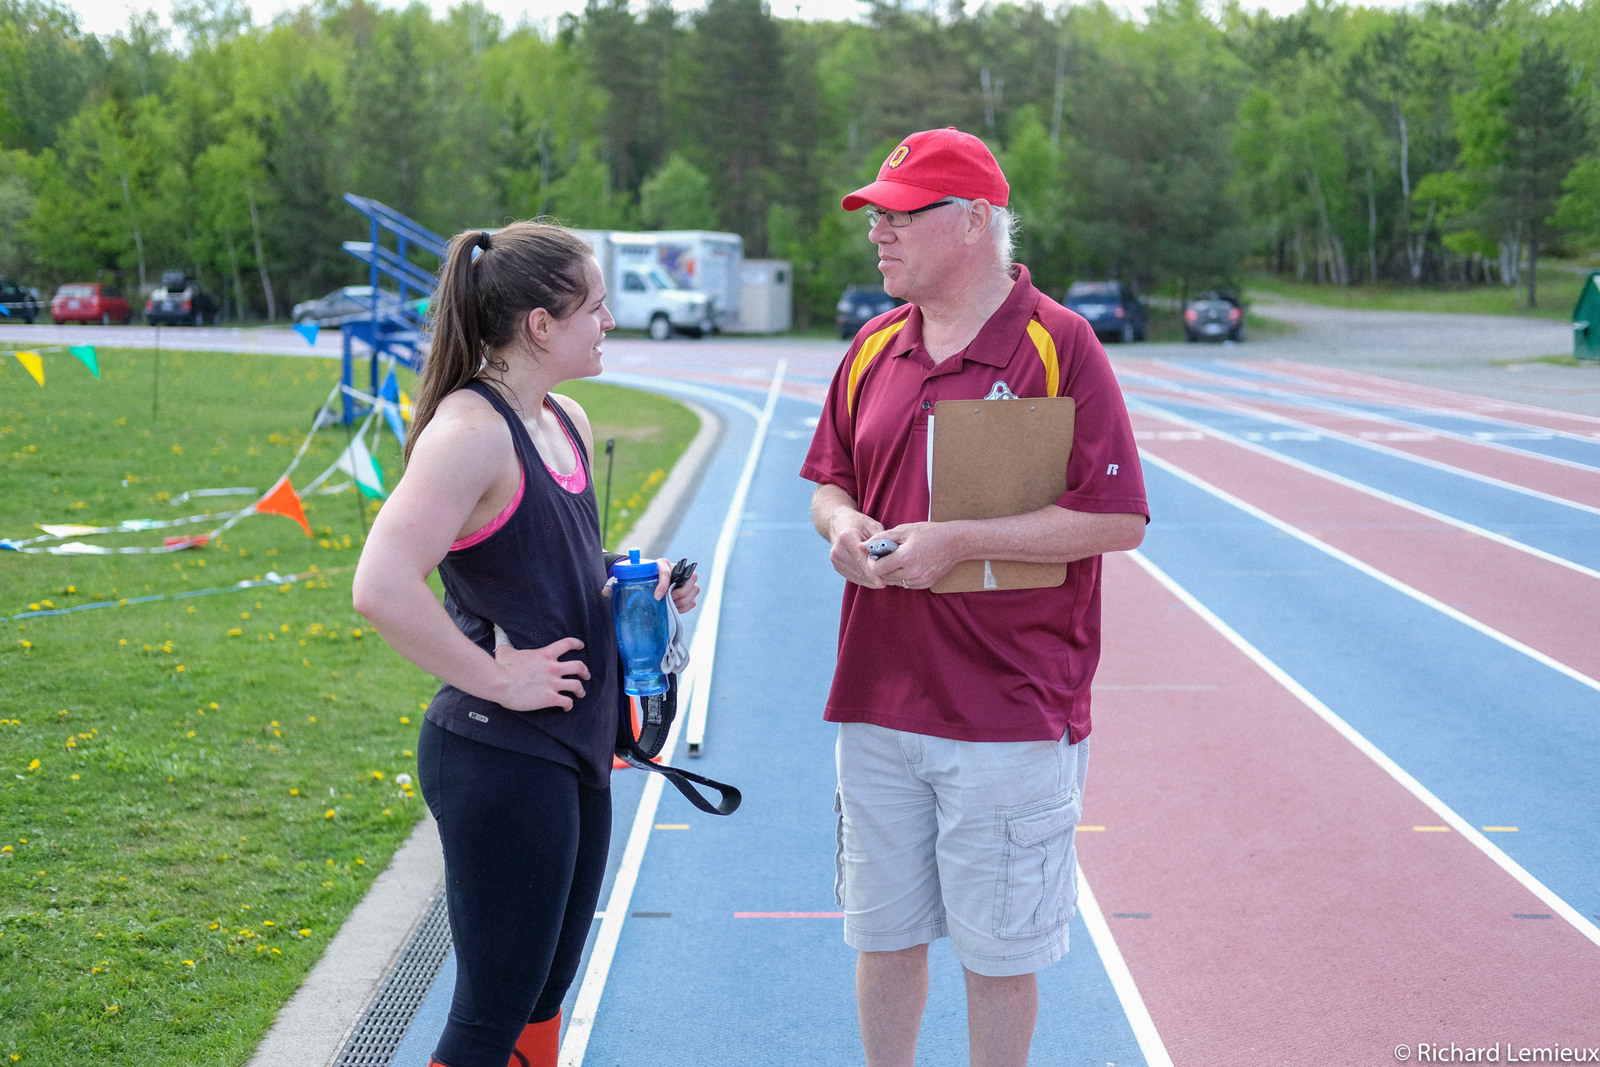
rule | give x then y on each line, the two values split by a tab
1001	391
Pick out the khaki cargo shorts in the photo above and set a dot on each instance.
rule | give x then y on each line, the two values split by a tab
966	839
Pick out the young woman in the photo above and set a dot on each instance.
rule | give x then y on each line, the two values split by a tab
515	754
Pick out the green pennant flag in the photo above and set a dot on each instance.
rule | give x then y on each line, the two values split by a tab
361	465
86	354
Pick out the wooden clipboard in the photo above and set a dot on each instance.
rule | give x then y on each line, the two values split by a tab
991	459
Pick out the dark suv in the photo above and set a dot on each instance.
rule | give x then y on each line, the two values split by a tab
1111	308
179	302
859	305
18	302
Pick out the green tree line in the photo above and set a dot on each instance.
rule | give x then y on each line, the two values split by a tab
1444	143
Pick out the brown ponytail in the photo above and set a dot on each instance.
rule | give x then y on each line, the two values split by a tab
488	285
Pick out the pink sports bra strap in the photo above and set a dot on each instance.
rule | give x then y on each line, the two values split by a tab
496	522
578	480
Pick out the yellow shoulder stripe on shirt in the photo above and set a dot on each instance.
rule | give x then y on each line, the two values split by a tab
1043	343
864	356
1046	346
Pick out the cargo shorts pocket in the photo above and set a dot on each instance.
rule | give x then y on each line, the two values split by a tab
1037	883
838	849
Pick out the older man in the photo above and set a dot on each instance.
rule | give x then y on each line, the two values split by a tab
964	717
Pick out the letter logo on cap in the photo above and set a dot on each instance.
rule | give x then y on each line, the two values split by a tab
897	157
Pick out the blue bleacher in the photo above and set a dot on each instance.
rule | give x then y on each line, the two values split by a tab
389	330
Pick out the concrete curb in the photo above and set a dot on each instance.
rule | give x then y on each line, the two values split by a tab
312	1029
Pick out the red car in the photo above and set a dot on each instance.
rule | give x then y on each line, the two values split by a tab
89	302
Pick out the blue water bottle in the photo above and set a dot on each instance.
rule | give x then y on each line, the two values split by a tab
641	622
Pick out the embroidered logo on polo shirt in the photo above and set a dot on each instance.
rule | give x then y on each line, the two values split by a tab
475	715
897	157
1112	470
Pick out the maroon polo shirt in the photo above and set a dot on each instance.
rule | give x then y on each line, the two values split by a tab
1001	665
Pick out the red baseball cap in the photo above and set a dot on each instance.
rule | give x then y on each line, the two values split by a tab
930	165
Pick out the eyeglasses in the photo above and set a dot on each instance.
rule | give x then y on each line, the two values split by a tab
899	219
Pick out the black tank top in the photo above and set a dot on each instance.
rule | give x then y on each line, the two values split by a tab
538	577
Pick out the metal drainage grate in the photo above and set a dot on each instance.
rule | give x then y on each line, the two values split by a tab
383	1026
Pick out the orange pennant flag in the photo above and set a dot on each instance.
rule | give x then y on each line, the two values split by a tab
281	500
34	364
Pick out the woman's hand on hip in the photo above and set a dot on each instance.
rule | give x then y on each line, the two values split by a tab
535	678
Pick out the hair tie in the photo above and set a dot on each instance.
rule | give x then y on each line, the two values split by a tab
480	245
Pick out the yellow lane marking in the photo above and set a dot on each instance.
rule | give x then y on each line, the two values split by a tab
672	826
1498	829
1431	829
1090	829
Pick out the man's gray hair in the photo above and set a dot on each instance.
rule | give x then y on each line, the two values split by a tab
1003	224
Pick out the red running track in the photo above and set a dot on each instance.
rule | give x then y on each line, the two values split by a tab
1294	914
1524	597
1517	468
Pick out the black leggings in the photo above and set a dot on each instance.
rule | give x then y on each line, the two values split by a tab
524	855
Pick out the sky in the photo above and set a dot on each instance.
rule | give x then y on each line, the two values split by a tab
106	17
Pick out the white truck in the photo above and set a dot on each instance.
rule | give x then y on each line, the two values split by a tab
670	282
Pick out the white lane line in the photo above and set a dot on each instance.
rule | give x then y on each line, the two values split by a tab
1237	408
575	1043
1379	494
1144	1027
1374	573
703	647
1372	752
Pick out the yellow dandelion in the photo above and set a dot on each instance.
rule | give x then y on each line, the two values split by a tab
268	922
33	766
235	632
188	963
305	932
378	775
294	792
405	720
328	814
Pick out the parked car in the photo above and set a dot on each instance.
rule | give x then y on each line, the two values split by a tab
859	305
1214	316
89	302
1111	308
347	300
179	302
20	303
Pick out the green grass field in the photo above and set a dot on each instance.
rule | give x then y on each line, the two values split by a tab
1557	290
196	790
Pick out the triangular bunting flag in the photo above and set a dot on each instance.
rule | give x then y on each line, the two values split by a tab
281	500
390	403
359	463
5	311
86	354
34	365
308	330
405	406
